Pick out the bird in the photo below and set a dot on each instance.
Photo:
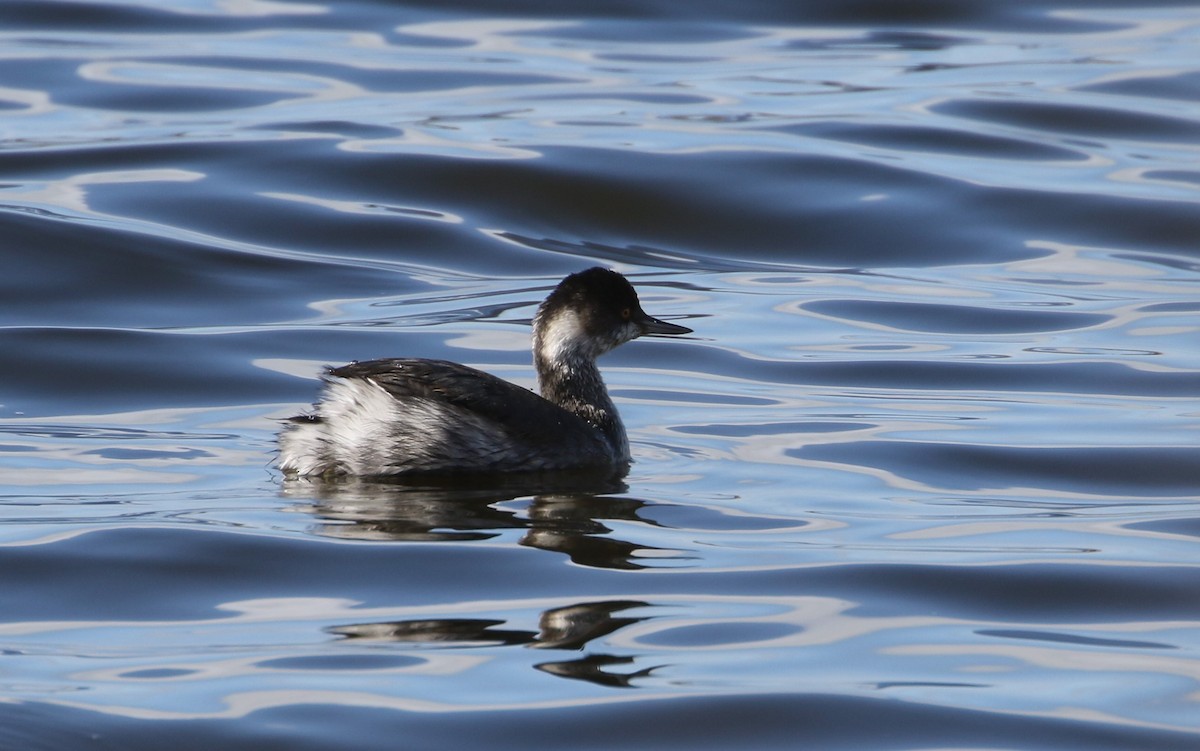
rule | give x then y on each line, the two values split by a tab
398	417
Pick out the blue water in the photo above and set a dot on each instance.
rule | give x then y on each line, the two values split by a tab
926	476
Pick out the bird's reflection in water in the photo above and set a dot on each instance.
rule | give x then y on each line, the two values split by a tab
563	514
571	627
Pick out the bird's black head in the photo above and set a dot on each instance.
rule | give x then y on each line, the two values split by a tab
597	309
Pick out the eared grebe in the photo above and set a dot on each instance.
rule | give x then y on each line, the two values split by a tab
408	416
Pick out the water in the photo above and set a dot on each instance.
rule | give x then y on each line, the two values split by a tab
925	476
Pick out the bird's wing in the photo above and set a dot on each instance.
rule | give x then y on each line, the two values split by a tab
524	415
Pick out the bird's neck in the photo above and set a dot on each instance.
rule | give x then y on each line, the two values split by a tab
571	379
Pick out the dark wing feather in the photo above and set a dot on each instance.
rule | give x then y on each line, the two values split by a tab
526	416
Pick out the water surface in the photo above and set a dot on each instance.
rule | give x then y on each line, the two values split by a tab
924	477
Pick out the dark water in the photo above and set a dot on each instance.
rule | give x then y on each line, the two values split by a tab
926	476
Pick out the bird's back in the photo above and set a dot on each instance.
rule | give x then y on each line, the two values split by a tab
408	416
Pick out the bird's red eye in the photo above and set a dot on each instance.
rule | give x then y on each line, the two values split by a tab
625	313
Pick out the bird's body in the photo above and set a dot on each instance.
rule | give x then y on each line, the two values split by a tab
414	416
